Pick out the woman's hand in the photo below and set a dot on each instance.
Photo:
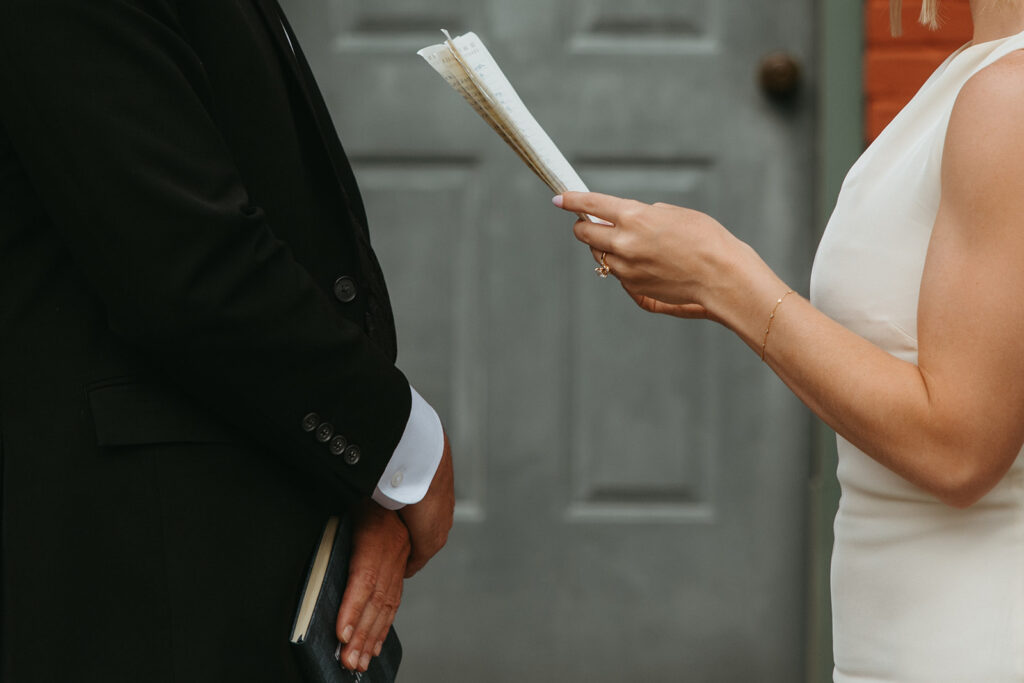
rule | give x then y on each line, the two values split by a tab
671	260
652	305
953	422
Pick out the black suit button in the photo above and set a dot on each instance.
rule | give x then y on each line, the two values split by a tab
324	432
338	444
310	422
352	455
345	289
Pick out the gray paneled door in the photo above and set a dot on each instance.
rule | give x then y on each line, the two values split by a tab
631	488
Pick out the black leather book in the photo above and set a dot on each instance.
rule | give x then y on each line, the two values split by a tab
313	632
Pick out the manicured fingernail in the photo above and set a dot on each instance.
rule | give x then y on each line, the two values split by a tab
346	634
557	200
353	661
376	650
364	662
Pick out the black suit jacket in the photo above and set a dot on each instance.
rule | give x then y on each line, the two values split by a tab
187	289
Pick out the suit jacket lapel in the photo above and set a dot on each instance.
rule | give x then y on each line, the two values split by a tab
379	319
291	53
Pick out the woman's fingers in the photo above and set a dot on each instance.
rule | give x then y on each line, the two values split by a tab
652	305
602	206
657	251
599	237
612	219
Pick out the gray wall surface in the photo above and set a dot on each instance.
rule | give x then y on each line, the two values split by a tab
632	490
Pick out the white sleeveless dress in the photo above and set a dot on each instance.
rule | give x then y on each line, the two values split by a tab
921	592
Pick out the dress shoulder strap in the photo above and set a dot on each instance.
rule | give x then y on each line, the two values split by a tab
1011	44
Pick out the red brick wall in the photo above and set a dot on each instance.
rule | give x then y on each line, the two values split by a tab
894	68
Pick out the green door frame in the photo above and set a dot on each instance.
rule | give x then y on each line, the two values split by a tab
840	142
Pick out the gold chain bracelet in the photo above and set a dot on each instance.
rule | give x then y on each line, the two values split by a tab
768	328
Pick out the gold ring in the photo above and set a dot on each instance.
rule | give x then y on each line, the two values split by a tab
603	269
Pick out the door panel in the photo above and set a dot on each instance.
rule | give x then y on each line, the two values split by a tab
630	487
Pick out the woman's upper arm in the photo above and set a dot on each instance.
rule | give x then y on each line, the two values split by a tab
971	308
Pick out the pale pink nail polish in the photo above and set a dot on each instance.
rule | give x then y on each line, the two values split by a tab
557	200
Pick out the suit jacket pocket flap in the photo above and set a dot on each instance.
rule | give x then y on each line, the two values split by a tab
136	413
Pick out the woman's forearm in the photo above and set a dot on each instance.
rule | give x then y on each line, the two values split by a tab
953	423
885	406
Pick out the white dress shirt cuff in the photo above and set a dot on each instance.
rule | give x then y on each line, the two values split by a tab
414	462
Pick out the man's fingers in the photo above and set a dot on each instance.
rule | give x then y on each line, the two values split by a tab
357	608
385	617
422	552
415	564
365	624
603	206
372	626
430	520
360	586
380	548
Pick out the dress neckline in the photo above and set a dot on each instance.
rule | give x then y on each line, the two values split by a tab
970	45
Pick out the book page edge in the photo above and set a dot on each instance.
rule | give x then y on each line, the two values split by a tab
315	581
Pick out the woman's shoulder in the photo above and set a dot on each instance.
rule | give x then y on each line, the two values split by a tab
986	114
998	84
983	156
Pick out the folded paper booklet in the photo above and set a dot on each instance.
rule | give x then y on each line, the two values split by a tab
469	68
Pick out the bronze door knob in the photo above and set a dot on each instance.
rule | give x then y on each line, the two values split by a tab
779	75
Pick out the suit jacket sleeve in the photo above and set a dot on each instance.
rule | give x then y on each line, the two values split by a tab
109	112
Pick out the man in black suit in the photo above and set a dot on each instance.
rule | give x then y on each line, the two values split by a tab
196	351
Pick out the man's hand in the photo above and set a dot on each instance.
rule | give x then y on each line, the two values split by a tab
430	520
380	549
